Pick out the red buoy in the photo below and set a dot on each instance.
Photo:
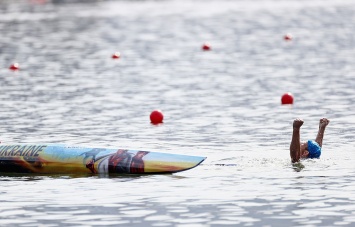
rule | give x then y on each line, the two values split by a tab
156	117
206	46
116	55
288	37
14	66
39	2
287	98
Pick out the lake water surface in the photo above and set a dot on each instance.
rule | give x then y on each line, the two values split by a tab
223	104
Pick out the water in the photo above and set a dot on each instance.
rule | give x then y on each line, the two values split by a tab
223	104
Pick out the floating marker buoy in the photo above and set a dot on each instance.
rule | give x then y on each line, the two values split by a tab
287	98
14	66
288	37
39	2
156	117
116	55
206	46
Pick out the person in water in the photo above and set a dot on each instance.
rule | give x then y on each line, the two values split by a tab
311	148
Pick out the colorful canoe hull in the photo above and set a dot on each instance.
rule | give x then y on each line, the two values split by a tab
57	158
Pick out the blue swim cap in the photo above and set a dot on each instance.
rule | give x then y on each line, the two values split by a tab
314	149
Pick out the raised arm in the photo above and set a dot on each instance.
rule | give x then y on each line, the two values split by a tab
295	146
322	125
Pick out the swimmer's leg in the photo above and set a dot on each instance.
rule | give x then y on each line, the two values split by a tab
322	125
295	146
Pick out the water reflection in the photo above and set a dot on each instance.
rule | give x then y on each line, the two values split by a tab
117	177
298	166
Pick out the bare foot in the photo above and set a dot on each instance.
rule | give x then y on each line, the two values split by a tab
297	123
323	122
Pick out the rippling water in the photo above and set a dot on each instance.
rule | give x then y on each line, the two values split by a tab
223	104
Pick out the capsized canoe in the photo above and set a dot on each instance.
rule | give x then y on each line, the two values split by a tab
59	158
